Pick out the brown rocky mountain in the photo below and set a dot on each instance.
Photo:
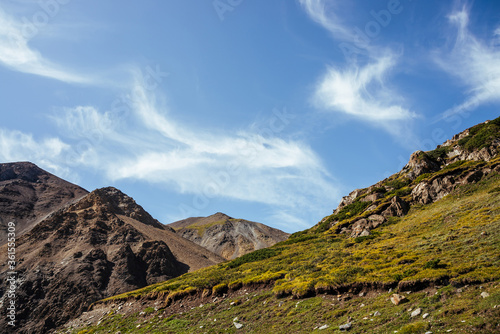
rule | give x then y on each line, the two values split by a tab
99	246
226	236
28	194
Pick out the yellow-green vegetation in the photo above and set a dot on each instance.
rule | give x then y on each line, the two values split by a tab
481	135
461	310
422	247
201	228
445	254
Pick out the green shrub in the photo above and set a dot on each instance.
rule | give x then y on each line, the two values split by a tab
434	264
494	190
219	289
149	310
258	255
381	190
398	183
300	238
422	177
440	152
351	210
403	192
414	328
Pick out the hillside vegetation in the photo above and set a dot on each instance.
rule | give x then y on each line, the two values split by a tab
438	245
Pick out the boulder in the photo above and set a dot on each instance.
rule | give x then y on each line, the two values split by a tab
359	227
397	208
398	299
345	327
485	294
427	192
420	163
416	312
372	197
376	220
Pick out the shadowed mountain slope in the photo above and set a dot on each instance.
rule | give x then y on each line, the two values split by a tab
28	194
99	246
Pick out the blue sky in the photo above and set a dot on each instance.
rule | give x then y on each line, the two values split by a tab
265	110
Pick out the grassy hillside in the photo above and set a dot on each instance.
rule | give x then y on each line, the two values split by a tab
444	254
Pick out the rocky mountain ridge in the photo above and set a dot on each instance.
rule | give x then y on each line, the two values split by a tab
99	246
426	178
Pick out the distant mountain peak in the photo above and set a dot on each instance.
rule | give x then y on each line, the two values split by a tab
227	236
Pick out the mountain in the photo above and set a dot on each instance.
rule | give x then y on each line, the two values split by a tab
28	194
226	236
101	245
415	253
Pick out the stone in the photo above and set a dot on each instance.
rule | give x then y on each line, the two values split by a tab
376	220
345	327
237	325
365	233
376	314
485	294
416	312
425	315
397	299
420	164
372	197
323	327
397	208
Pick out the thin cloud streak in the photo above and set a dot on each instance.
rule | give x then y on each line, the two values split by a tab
16	54
474	62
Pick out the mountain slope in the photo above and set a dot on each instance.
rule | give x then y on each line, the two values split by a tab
101	245
28	194
226	236
430	234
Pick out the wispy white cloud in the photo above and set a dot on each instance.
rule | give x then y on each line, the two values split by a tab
150	145
16	54
358	90
243	165
361	92
476	63
324	13
49	153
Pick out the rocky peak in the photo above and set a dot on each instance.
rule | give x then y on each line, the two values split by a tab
26	171
114	201
219	216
